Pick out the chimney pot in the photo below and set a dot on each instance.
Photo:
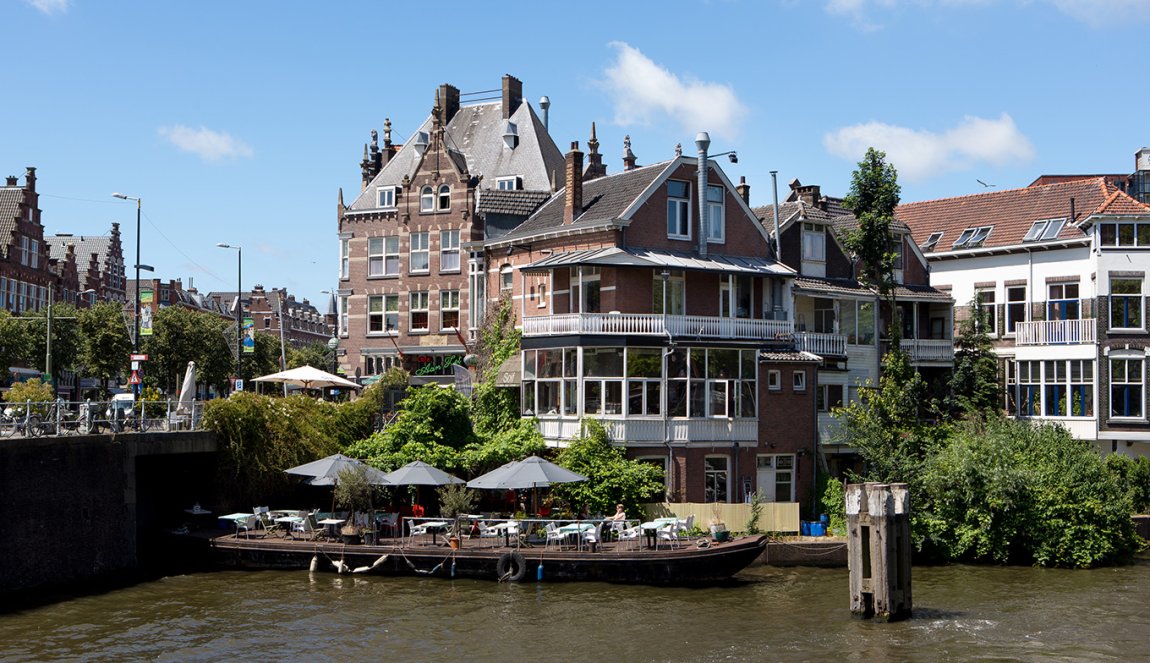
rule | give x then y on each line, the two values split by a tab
744	190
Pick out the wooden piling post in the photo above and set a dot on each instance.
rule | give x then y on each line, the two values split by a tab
878	550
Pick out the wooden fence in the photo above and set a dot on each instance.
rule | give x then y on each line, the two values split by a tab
776	516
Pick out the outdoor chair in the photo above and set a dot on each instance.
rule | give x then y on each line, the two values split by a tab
553	535
670	534
247	525
306	528
593	537
630	536
390	523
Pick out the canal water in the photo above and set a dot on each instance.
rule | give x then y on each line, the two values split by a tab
962	613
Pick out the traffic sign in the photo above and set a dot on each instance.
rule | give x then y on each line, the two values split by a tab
135	379
138	357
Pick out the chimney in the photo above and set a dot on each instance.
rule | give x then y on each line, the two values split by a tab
744	189
30	179
702	143
512	95
544	104
809	194
628	155
595	167
448	102
11	180
573	206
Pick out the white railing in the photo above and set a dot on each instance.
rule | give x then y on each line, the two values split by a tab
658	430
824	345
679	326
1055	332
921	349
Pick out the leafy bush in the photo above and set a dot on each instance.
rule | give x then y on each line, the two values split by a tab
612	478
35	390
1134	475
834	505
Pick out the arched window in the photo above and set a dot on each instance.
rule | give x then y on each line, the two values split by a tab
444	197
427	199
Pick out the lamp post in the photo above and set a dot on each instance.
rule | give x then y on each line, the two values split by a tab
239	304
333	345
136	333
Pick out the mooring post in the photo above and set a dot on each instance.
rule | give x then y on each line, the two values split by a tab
878	550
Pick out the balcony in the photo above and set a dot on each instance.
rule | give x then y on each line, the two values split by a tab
644	324
633	430
924	350
1055	332
823	345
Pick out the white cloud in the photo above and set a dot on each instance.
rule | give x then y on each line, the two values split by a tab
203	142
1099	13
642	91
50	7
920	154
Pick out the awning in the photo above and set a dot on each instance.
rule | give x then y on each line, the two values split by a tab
634	257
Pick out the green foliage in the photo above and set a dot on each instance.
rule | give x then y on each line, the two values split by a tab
752	526
519	440
15	341
1133	474
315	355
455	500
433	425
353	491
35	390
974	385
494	408
106	344
873	197
180	335
153	402
612	478
498	339
1008	491
66	339
834	505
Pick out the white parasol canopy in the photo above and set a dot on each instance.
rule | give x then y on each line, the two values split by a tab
308	377
187	390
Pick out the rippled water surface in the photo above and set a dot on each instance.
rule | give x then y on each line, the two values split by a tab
961	613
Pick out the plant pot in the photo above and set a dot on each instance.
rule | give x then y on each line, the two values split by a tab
719	532
350	538
454	541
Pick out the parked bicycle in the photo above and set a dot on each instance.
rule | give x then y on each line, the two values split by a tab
19	419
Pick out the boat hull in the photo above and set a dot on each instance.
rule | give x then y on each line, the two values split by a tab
689	565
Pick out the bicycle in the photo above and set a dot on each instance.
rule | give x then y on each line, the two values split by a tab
15	420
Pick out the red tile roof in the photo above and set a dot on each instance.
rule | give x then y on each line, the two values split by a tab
1013	211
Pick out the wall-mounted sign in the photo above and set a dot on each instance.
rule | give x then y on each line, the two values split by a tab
432	364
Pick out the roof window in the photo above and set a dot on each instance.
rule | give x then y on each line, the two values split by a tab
972	237
1044	229
931	241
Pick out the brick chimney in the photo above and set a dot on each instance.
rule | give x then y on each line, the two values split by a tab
628	155
11	180
30	179
573	206
744	189
512	95
449	102
809	194
595	167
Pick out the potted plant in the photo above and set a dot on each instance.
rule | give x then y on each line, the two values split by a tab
354	492
718	527
454	501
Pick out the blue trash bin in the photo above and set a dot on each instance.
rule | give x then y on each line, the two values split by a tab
818	529
824	519
805	528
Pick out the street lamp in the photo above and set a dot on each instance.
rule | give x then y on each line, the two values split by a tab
239	304
136	335
333	344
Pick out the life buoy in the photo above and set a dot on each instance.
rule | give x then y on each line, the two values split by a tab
511	566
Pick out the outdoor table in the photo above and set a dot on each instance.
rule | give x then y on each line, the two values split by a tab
505	528
651	529
331	524
236	518
434	527
576	530
288	522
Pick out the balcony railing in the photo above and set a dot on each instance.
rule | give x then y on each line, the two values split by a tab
658	430
1055	332
639	324
933	350
823	345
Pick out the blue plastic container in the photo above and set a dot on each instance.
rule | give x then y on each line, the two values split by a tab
824	519
805	528
818	529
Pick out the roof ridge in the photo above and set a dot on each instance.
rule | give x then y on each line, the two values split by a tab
1099	180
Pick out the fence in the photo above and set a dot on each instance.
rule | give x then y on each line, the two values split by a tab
60	417
775	517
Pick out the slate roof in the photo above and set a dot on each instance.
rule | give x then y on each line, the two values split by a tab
475	136
10	199
835	214
605	199
86	245
1013	211
515	203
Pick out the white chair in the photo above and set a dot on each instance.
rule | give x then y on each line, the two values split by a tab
670	534
305	527
630	536
553	535
247	525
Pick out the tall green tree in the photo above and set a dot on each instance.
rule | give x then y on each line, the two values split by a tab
180	335
974	385
15	341
106	344
611	478
873	197
315	355
66	339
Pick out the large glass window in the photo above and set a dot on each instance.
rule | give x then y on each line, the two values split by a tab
449	251
678	210
1053	388
420	253
383	256
1126	387
985	300
1125	303
644	381
1124	234
383	313
419	311
449	309
716	480
814	242
1015	307
824	315
1062	301
585	290
716	226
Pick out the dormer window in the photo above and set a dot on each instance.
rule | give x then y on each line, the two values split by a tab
931	241
386	197
427	199
510	135
422	140
973	237
512	183
814	242
1044	229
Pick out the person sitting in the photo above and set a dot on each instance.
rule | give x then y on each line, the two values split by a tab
619	514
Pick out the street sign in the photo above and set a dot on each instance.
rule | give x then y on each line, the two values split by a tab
135	379
135	366
138	357
239	385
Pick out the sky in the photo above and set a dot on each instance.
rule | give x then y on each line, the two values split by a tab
239	122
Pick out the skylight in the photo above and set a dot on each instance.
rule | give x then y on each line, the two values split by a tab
1044	229
972	237
931	241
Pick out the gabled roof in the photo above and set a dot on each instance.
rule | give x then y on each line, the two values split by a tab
85	245
10	199
474	138
1012	212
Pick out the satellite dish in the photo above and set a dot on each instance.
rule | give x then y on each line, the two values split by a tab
462	379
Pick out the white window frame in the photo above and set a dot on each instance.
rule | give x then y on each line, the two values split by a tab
708	473
344	257
991	308
774	380
420	301
448	303
679	211
1010	321
772	465
342	303
448	251
419	253
799	380
385	197
385	308
814	242
443	198
510	183
506	278
716	214
427	199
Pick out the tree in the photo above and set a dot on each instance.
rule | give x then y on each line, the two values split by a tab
611	478
66	339
315	355
15	341
180	335
106	344
433	425
974	385
873	197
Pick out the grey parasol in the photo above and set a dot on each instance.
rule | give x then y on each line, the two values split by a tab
419	473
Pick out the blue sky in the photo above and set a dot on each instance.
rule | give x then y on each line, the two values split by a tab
238	122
